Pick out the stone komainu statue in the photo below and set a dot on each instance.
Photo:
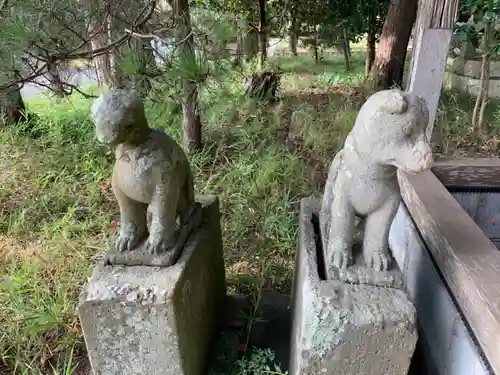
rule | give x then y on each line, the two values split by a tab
389	134
152	180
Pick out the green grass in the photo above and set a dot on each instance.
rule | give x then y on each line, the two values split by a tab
56	206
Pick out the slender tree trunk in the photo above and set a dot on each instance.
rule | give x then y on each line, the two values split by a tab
370	43
101	63
250	40
388	67
292	34
482	99
236	60
345	48
191	123
114	27
315	45
55	82
262	32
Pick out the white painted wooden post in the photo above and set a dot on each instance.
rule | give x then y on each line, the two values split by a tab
435	21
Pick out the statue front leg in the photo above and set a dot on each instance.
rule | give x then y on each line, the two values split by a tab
376	238
133	228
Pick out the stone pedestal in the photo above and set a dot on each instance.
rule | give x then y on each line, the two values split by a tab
157	320
360	323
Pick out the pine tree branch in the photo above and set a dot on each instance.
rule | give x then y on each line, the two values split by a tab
143	16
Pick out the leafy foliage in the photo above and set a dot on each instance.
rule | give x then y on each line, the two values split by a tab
258	362
477	12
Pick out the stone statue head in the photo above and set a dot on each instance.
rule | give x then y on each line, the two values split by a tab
119	117
391	130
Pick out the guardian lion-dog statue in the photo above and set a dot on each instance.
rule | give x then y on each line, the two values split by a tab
389	134
152	182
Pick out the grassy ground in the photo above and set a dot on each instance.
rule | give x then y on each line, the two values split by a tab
56	207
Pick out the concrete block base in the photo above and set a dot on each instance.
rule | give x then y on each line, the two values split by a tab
340	327
157	320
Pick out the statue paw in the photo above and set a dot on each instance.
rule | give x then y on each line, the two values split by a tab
159	244
378	260
128	240
341	258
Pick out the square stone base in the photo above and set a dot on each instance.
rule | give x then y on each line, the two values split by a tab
157	320
351	325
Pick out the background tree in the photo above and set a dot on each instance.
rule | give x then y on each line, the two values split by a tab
367	19
322	22
485	13
191	122
388	67
117	32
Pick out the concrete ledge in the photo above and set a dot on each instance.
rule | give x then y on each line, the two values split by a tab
341	327
157	320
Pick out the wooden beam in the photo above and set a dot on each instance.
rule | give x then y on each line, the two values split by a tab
468	172
444	14
428	66
437	14
435	21
468	261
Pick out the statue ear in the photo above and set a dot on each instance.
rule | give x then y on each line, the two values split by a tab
394	102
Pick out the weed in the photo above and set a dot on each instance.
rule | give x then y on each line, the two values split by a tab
257	362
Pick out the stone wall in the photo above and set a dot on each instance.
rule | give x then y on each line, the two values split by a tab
465	74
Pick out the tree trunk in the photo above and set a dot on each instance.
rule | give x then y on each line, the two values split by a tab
101	63
11	106
191	123
345	48
482	99
250	40
55	82
236	59
388	68
315	47
292	34
370	43
262	33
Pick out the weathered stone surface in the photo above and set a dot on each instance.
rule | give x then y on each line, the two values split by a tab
389	134
152	182
157	320
365	327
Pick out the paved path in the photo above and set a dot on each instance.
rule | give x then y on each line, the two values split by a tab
77	77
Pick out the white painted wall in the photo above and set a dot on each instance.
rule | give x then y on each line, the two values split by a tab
448	346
